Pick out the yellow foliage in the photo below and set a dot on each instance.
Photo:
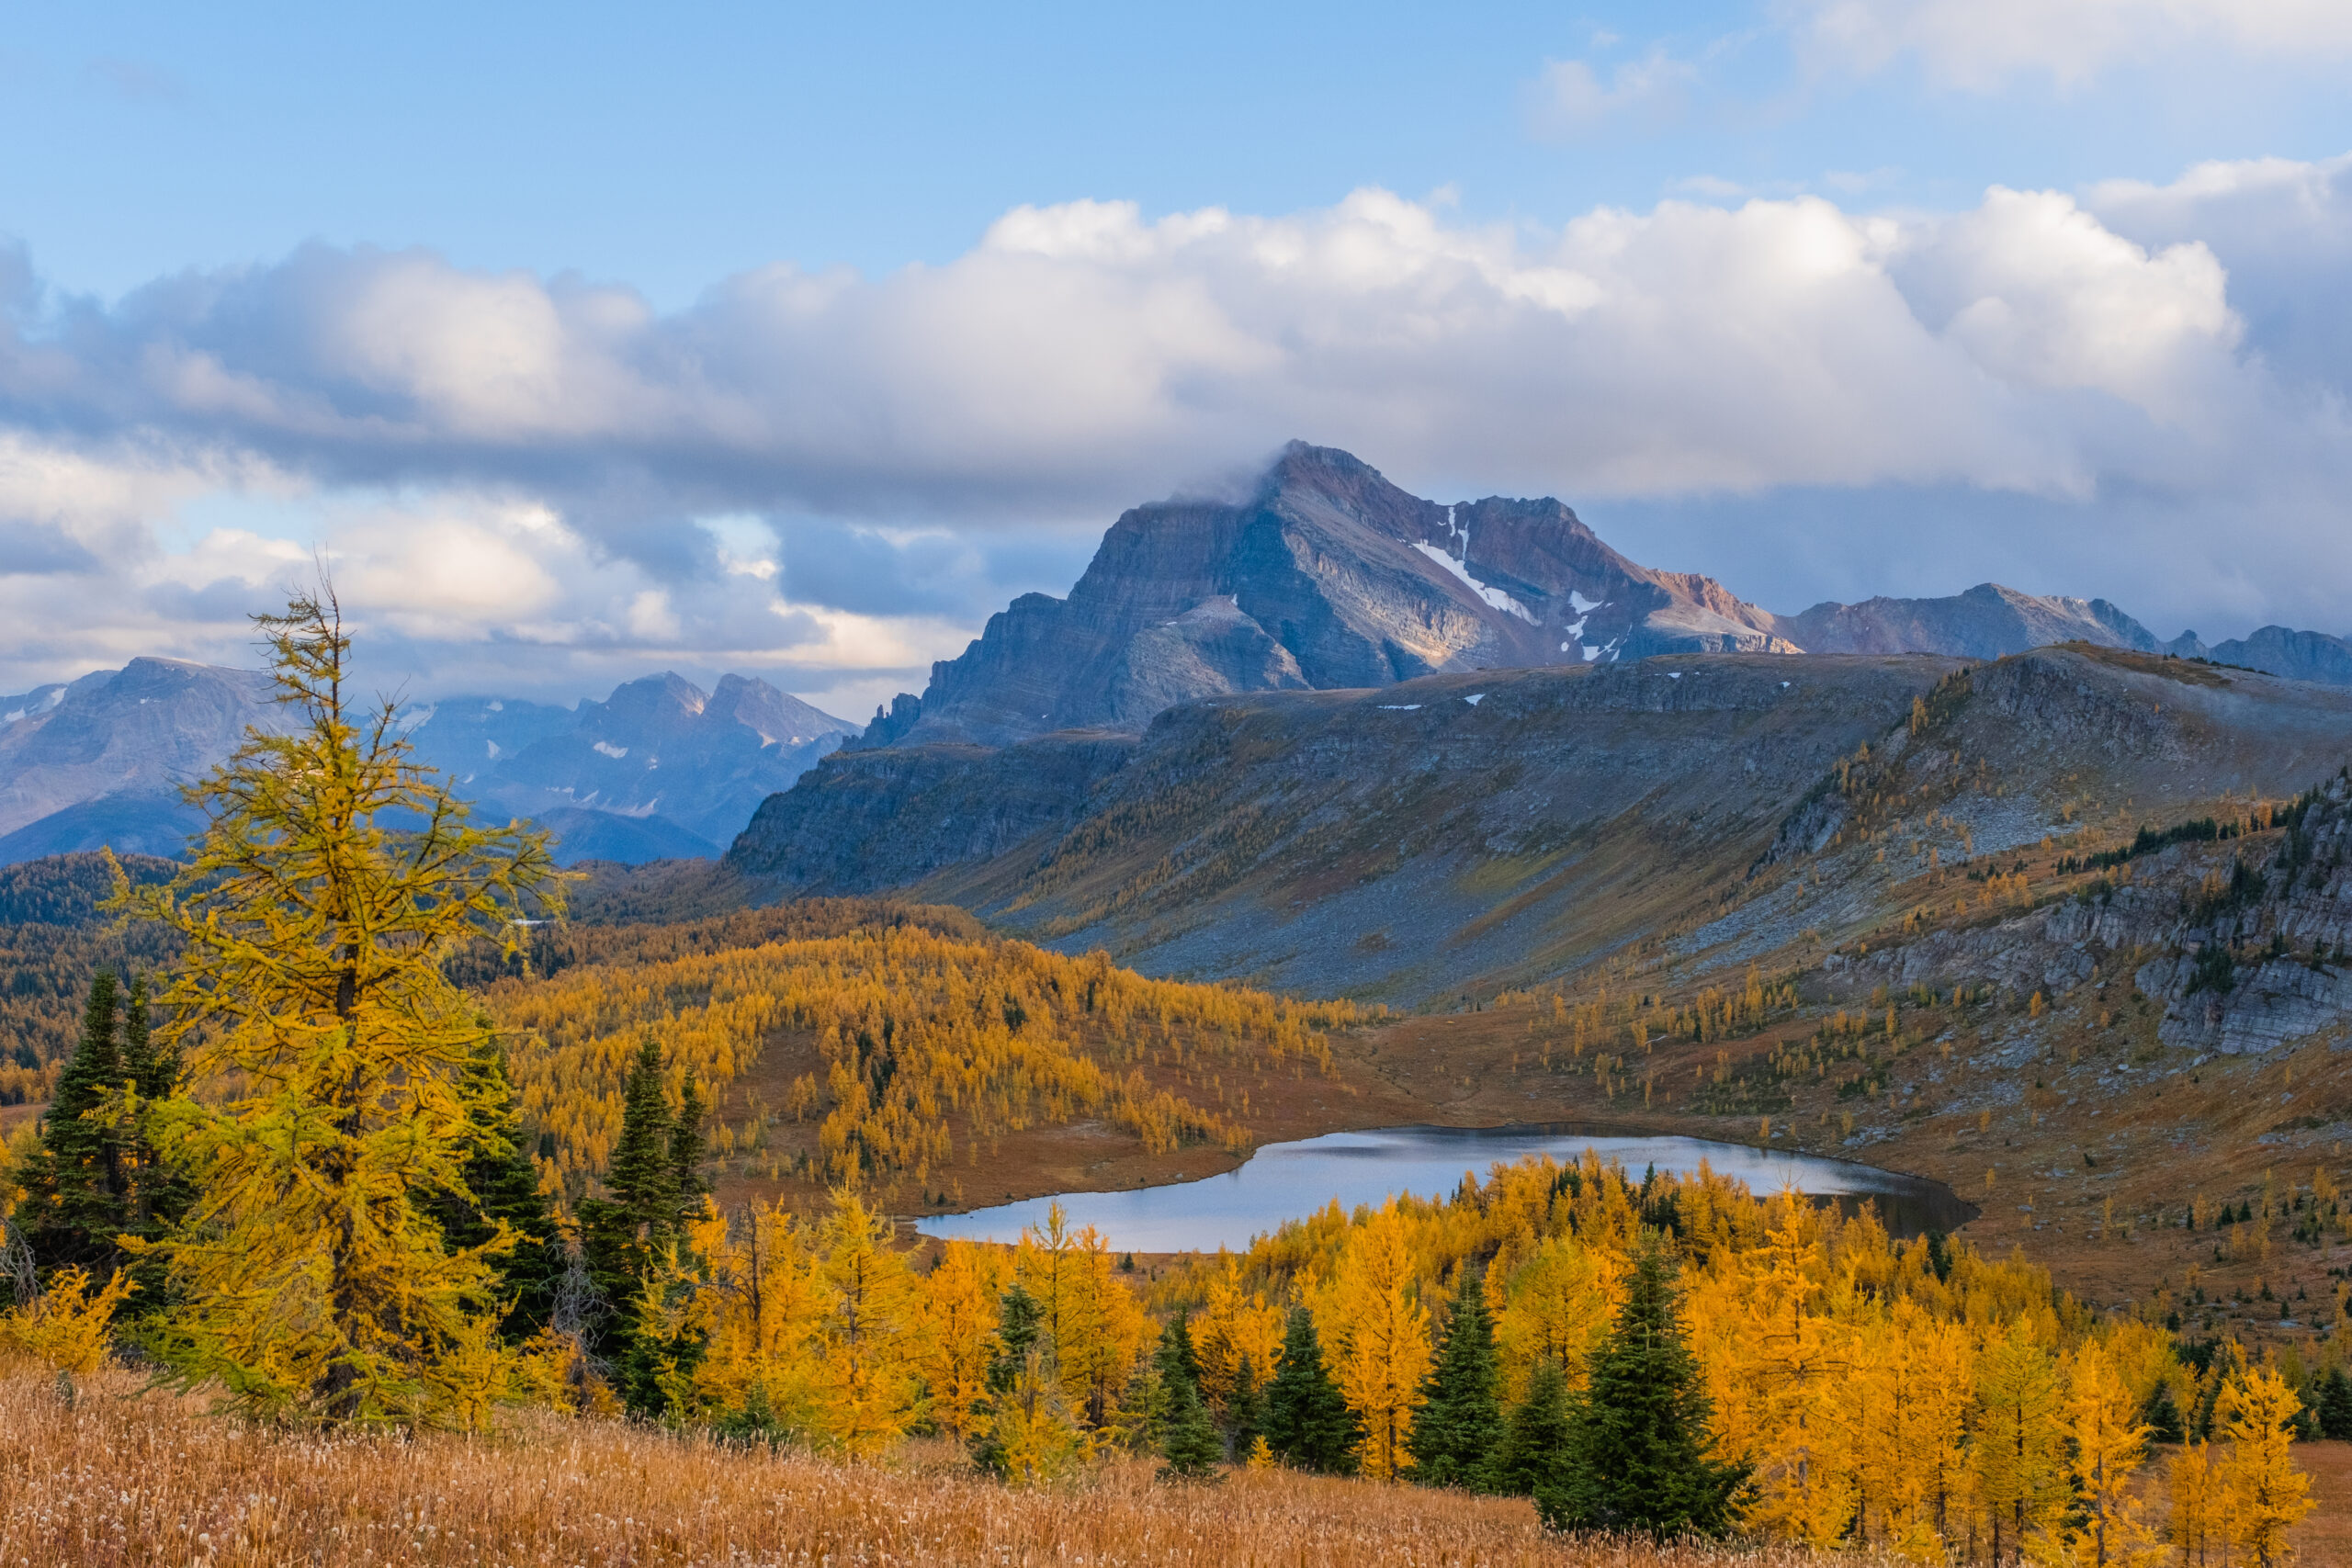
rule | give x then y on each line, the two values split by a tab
958	1338
66	1325
2263	1493
1376	1333
332	877
915	1027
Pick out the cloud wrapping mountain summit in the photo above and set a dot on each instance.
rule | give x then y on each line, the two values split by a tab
2116	383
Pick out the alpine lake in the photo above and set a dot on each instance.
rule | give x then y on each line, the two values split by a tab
1281	1182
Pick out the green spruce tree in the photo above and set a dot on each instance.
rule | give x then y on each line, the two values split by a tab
1459	1418
77	1179
1308	1425
1534	1446
1187	1438
1020	1321
2162	1414
502	1186
1245	1411
686	1185
623	1232
2334	1405
1636	1459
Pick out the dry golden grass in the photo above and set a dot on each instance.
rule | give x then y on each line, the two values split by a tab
121	1478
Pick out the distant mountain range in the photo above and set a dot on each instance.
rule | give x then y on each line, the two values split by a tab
659	770
1329	577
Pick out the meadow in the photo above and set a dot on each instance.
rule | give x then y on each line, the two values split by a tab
122	1478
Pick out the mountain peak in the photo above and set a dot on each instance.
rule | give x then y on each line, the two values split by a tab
1327	576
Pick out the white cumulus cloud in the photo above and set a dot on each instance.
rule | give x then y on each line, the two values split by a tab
807	470
1981	44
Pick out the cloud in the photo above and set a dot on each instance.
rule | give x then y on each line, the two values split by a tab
1570	97
540	479
2283	229
1980	44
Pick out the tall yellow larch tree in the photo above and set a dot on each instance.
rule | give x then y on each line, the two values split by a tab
1374	1320
2105	1442
866	1391
1106	1329
2015	1439
2192	1498
1923	1483
764	1306
1236	1329
332	877
1556	1306
1031	1427
958	1339
2263	1493
1797	1359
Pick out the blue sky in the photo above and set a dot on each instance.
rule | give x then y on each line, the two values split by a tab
799	338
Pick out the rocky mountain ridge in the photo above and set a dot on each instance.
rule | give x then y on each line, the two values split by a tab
658	770
1469	832
1328	576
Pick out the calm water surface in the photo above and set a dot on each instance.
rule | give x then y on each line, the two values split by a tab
1288	1182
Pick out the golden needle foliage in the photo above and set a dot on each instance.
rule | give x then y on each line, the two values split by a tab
1921	1404
67	1324
332	877
927	1041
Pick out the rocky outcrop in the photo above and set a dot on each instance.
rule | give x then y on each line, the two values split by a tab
1987	622
1503	826
1326	577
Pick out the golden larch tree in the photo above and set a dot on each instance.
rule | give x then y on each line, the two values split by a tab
2105	1442
1376	1320
958	1339
2263	1494
867	1389
332	877
2016	1450
2191	1498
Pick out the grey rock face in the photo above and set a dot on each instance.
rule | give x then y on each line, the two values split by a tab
2299	656
1987	622
1328	576
137	733
868	819
660	769
689	767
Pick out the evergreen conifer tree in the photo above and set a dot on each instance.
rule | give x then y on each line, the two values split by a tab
2161	1415
623	1232
1188	1440
1636	1459
1459	1418
686	1185
160	1191
77	1180
1307	1424
1534	1444
1020	1323
1176	1358
1245	1411
2334	1405
503	1184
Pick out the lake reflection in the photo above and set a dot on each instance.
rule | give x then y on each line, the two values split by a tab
1289	1182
